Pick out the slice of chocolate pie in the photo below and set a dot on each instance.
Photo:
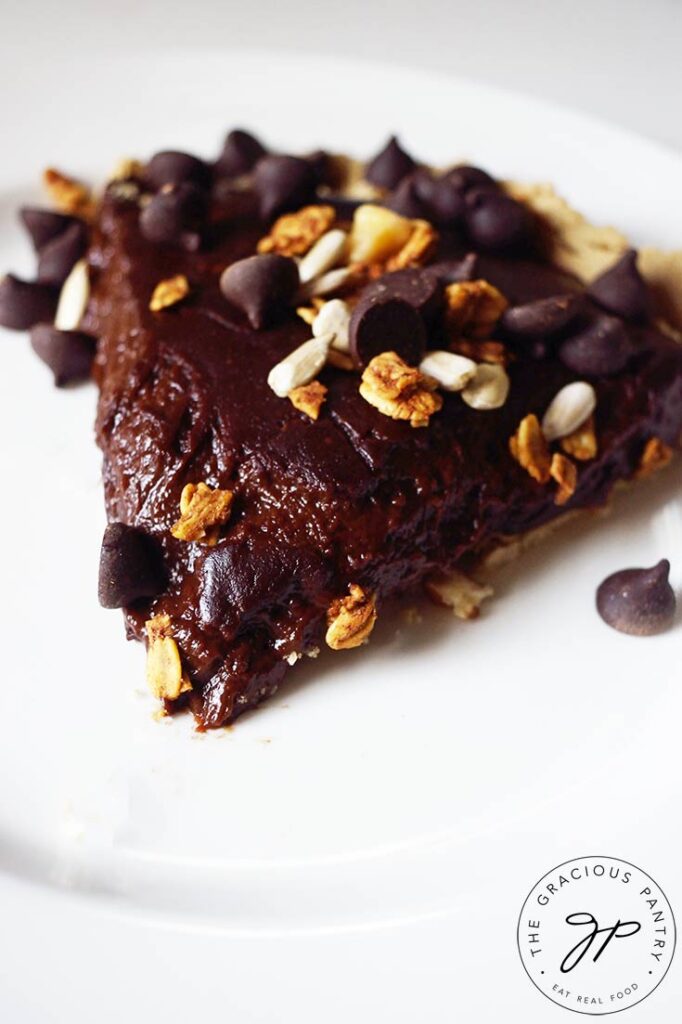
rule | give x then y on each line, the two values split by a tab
322	386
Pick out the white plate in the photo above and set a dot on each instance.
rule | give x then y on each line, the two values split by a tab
363	843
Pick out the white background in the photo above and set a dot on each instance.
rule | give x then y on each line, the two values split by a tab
616	58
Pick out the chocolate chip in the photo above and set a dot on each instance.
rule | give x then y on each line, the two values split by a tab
390	166
240	153
174	168
343	206
495	221
640	602
382	323
283	183
261	286
405	200
69	354
58	256
175	216
452	271
44	225
542	318
445	203
130	566
420	288
622	289
25	303
322	166
600	349
466	177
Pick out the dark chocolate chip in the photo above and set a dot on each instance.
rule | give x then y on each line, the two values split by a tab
174	216
451	271
25	303
640	602
542	318
444	202
405	200
174	168
321	165
69	354
600	349
622	289
390	166
283	183
420	288
240	153
261	286
382	323
58	256
466	177
130	566
44	225
495	221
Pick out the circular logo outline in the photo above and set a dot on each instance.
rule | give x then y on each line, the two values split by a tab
572	861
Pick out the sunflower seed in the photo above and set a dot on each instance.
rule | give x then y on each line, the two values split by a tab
333	319
325	283
300	366
325	254
73	298
451	372
568	410
488	389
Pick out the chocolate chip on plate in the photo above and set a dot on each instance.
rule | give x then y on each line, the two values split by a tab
58	256
542	318
389	167
261	286
283	183
420	288
495	221
640	602
44	225
622	289
603	348
175	216
383	323
241	152
25	303
130	566
69	354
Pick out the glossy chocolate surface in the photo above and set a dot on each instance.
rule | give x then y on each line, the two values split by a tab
354	497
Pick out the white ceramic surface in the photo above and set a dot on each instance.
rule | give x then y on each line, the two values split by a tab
362	844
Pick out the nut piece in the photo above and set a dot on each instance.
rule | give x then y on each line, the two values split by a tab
482	351
398	390
582	443
308	398
655	456
566	475
473	308
568	410
67	194
165	677
294	233
169	292
417	249
459	592
300	366
202	513
324	255
488	389
448	370
529	447
350	619
73	298
333	318
377	234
